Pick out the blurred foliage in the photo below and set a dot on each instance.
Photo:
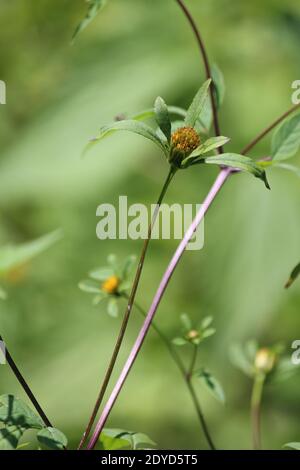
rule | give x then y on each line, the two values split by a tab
58	96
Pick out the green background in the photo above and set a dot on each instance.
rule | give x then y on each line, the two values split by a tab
58	95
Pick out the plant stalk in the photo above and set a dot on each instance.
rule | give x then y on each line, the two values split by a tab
205	59
256	399
26	387
127	312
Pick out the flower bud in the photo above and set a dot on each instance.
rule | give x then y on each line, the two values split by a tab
183	142
265	360
193	334
110	286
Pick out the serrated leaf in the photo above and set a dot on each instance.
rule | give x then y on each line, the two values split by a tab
14	412
293	276
162	117
197	105
10	436
212	385
286	139
93	9
128	125
52	438
293	445
12	256
112	308
234	160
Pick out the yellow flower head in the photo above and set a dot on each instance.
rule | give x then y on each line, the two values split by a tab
265	360
111	285
193	334
185	140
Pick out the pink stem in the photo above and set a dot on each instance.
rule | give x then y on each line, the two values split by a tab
220	180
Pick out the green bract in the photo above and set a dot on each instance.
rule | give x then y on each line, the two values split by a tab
194	335
118	273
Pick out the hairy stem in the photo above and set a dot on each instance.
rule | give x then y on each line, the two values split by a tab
256	398
26	387
127	312
205	59
218	184
186	375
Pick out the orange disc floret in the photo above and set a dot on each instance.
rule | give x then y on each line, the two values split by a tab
185	140
110	286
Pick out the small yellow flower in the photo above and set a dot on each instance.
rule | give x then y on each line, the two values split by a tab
265	360
111	285
193	334
185	140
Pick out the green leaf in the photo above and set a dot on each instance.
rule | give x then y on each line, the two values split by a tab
127	266
207	146
293	276
10	436
197	105
93	9
212	385
101	274
293	445
239	360
179	341
112	308
90	286
150	113
234	160
162	117
14	412
129	125
186	321
286	139
206	322
208	332
12	256
116	439
52	438
219	85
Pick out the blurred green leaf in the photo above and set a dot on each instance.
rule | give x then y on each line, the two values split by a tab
208	332
112	307
206	322
12	256
94	6
14	412
240	162
194	111
293	276
288	167
293	445
186	321
90	286
212	384
179	341
219	84
3	294
286	139
101	274
129	125
52	438
116	439
239	360
127	266
162	117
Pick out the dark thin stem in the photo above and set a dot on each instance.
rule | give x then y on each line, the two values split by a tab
127	312
269	129
208	74
186	375
26	387
256	409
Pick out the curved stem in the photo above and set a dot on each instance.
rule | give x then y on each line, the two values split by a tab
186	375
256	398
222	177
26	387
127	312
208	74
268	129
